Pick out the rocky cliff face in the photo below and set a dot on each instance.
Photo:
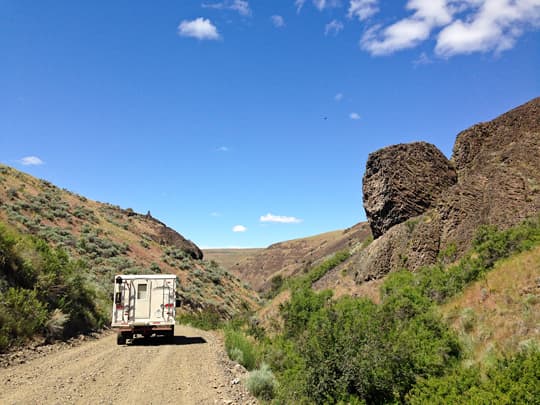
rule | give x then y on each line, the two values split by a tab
416	215
168	236
403	181
498	165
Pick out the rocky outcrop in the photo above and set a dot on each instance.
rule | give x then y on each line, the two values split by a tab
498	183
168	236
498	165
403	181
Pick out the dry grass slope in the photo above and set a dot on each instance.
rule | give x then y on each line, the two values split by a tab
228	258
501	312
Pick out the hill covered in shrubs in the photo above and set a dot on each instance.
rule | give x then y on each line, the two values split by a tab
59	244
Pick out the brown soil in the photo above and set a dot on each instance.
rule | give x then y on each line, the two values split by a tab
193	369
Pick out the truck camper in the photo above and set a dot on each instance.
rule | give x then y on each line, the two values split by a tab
144	305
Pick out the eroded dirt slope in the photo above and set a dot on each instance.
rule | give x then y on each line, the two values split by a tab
191	370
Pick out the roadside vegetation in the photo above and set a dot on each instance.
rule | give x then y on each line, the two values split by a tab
402	350
43	292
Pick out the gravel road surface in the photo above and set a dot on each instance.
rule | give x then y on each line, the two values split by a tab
193	369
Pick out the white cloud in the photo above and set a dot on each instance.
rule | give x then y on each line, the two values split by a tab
458	26
333	27
215	214
354	116
410	31
362	9
322	4
223	149
278	21
31	161
200	28
494	27
318	4
279	219
338	97
239	228
240	6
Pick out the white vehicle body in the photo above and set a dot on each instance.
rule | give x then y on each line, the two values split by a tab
144	305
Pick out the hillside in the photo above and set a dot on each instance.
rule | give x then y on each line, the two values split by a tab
294	257
500	313
227	258
110	240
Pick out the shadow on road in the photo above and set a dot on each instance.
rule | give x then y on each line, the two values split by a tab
162	341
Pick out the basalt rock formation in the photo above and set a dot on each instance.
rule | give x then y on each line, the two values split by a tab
403	181
417	207
168	236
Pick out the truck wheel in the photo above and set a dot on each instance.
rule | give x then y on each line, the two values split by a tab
120	339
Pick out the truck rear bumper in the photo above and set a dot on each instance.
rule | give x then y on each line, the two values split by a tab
142	329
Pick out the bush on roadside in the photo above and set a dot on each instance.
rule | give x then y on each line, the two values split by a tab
36	282
205	320
54	326
239	348
262	383
21	316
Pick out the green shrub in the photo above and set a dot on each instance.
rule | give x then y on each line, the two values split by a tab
262	383
319	271
491	244
240	349
298	311
311	274
205	320
331	351
237	355
511	380
42	283
154	268
144	244
276	284
21	316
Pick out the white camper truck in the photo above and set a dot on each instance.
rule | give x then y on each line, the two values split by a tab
144	305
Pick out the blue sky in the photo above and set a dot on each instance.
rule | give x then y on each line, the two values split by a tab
244	123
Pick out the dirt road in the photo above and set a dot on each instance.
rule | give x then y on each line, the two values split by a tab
191	370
